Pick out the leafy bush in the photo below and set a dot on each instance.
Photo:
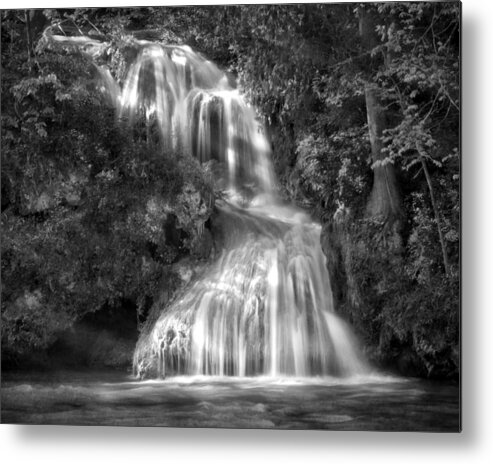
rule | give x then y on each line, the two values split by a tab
92	213
333	172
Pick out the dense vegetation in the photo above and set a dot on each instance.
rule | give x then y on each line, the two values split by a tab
361	103
93	215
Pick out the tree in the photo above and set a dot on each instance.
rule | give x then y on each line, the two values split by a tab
384	201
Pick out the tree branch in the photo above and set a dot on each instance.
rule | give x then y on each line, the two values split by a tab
435	209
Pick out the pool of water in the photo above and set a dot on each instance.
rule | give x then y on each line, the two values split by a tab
375	402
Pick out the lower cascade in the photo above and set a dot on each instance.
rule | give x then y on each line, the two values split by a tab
265	306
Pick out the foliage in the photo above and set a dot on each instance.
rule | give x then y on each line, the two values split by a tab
333	172
92	214
397	301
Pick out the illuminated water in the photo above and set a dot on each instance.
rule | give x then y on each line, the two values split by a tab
194	109
265	306
365	403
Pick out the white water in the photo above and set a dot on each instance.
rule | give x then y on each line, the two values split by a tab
195	110
265	307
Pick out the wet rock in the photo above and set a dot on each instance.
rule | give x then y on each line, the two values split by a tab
202	246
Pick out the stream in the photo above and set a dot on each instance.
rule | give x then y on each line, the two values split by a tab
372	402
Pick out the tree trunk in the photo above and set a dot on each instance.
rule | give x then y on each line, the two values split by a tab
36	21
385	201
30	49
436	213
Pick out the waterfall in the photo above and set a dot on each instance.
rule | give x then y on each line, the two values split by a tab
195	110
265	306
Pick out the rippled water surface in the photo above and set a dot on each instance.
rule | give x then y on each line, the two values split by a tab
369	403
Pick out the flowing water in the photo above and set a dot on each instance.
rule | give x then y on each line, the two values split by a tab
193	107
112	398
265	306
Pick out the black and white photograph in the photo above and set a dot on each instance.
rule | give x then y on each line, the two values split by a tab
232	216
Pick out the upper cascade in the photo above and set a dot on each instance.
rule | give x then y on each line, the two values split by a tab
195	109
